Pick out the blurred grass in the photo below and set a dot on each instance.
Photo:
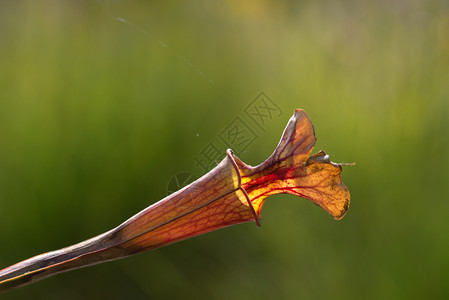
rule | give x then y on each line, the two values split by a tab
96	116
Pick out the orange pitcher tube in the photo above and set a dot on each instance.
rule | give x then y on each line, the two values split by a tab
231	193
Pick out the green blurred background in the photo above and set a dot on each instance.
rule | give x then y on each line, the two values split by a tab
96	116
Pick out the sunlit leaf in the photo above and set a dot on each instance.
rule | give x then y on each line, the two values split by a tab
231	193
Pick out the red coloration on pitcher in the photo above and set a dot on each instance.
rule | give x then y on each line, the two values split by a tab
231	193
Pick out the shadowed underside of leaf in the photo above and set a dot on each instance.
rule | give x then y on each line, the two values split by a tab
231	193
